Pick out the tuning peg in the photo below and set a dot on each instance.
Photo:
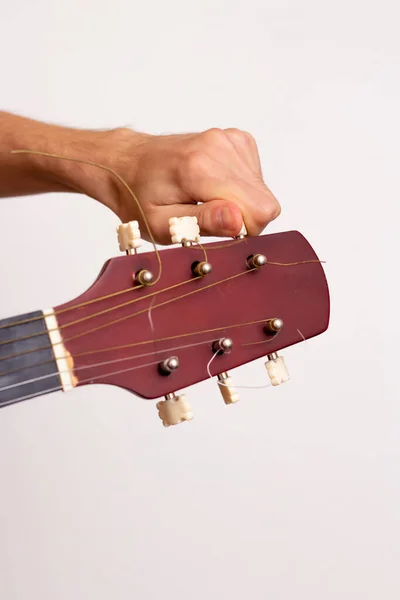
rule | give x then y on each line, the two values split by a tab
184	230
201	269
273	326
256	261
129	236
169	365
276	368
228	390
222	346
174	410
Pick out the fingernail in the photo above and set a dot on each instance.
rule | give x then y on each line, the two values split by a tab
225	218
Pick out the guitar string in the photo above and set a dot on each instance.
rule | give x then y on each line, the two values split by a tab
126	317
113	294
152	239
144	342
125	184
135	199
69	308
59	388
263	341
110	309
120	179
87	302
236	387
130	191
108	324
118	372
102	312
143	355
103	363
136	287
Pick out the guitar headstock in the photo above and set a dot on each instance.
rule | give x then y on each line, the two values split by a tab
155	339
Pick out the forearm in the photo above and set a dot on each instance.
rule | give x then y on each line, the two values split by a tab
26	174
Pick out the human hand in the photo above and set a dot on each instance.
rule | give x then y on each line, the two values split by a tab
215	176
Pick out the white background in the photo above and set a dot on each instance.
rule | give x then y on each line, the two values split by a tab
294	492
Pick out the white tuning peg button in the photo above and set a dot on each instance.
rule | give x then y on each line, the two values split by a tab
174	410
277	370
129	236
184	229
228	390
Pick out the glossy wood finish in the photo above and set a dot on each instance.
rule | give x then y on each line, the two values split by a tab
30	370
298	294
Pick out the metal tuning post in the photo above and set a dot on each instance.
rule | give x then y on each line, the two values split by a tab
174	409
222	346
143	277
184	230
225	381
273	326
256	261
201	269
169	365
276	369
227	388
129	237
242	233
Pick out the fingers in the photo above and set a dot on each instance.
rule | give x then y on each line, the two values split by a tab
204	179
217	218
214	175
246	147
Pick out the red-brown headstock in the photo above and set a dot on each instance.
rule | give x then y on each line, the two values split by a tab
110	343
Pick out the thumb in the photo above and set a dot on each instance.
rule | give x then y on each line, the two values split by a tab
218	218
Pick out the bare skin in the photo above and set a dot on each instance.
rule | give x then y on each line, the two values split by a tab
214	175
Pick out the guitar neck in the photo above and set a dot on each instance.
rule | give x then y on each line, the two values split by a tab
27	364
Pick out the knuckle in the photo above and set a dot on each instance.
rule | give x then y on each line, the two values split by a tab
197	164
213	137
121	133
249	139
277	211
267	212
241	136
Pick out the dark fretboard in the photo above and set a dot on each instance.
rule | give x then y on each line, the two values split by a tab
27	364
